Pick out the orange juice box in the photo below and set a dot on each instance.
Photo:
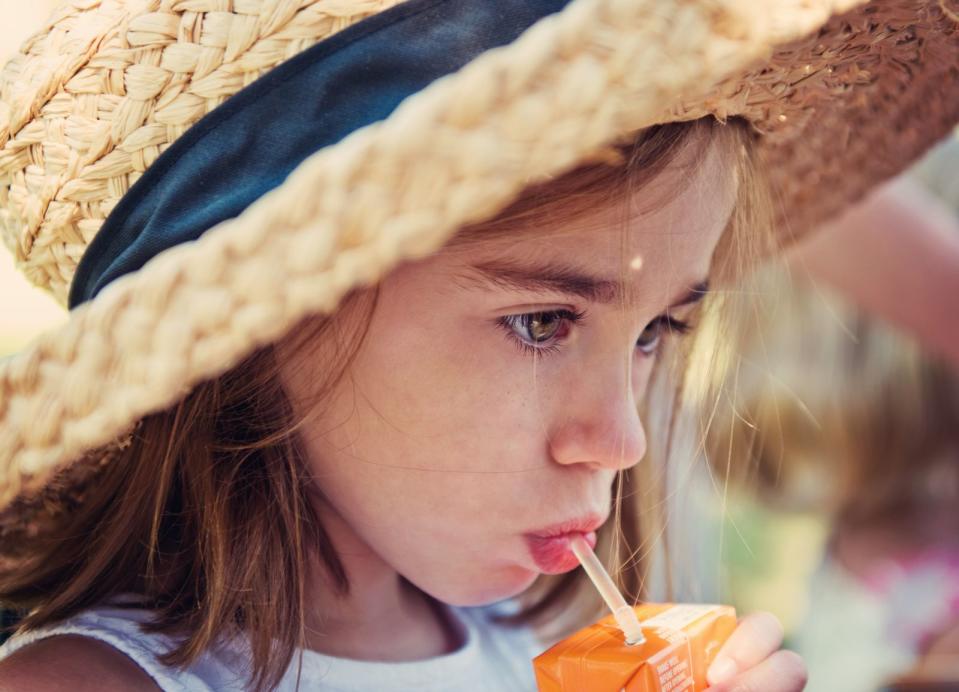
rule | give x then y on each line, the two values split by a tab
681	643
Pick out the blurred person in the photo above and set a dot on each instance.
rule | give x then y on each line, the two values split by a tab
845	400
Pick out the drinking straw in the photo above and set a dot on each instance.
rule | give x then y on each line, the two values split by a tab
624	614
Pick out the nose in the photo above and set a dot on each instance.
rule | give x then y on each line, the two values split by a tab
599	423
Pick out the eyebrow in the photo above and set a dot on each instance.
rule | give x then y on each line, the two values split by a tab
553	277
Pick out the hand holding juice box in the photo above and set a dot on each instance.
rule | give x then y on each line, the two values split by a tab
644	648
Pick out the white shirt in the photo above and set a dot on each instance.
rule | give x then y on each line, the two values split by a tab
493	657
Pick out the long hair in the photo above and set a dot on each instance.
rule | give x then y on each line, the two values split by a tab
205	514
834	411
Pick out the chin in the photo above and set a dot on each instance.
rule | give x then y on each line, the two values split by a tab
506	584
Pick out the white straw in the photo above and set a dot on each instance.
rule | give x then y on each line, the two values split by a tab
624	614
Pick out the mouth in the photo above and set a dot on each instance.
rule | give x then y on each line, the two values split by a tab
550	547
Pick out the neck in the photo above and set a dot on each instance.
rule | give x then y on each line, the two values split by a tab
363	624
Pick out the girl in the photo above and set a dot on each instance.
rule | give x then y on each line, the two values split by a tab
300	446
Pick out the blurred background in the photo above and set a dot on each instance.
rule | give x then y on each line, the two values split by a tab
833	453
828	489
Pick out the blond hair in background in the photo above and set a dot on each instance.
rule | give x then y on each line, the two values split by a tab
829	409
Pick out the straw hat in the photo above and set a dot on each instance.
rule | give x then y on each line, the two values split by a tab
121	141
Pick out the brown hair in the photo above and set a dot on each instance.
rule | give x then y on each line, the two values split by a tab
205	514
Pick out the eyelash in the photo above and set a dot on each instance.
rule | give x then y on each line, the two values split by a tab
508	322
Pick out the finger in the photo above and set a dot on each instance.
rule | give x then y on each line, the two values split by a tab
784	671
756	637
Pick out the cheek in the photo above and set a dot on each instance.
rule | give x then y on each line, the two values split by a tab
448	398
643	369
425	495
422	428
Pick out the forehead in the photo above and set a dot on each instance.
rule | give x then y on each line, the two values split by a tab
662	235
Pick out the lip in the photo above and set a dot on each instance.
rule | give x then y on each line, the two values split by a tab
550	546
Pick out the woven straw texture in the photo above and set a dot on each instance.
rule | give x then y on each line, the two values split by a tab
846	94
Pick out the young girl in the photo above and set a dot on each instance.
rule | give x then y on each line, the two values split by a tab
301	449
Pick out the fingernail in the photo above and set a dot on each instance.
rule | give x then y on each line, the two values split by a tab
722	669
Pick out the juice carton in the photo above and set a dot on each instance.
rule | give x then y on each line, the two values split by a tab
681	643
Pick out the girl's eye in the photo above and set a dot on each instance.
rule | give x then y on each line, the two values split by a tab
538	332
649	340
534	332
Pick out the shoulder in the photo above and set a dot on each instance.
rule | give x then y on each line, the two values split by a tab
71	663
107	648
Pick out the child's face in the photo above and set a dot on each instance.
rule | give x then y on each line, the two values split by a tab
447	443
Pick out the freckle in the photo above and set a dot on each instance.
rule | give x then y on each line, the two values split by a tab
636	263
